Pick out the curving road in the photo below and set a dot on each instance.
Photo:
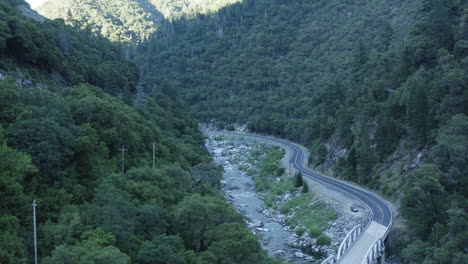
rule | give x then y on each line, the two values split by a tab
381	211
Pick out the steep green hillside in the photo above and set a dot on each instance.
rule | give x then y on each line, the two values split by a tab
376	89
177	9
127	21
71	57
61	130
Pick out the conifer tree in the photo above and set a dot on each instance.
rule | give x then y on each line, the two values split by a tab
298	181
305	187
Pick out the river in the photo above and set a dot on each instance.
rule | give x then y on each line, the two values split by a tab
240	191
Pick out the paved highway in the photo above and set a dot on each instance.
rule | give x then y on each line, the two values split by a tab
381	211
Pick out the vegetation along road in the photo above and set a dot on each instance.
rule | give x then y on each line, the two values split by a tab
381	212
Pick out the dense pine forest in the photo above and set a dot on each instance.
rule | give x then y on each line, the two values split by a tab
377	90
66	109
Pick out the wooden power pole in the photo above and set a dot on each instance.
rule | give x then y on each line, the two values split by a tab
34	204
154	155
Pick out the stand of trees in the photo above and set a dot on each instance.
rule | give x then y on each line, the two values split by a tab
65	110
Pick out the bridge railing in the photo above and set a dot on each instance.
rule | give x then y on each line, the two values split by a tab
374	252
347	242
350	238
329	260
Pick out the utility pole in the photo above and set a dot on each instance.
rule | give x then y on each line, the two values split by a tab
123	149
154	155
35	234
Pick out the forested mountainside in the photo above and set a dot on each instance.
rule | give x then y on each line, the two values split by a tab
376	89
65	111
127	21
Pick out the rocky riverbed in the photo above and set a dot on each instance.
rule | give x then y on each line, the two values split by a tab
276	236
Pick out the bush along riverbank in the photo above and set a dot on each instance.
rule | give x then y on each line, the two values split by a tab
315	226
289	200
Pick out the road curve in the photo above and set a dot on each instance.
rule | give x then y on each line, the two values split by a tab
381	212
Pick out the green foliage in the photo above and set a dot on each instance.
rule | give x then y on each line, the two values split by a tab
301	201
230	243
416	251
113	212
100	237
434	222
196	215
451	153
423	200
300	231
12	249
166	185
10	103
312	215
162	250
323	240
67	229
87	252
305	187
15	169
417	107
321	153
280	188
49	143
298	181
206	177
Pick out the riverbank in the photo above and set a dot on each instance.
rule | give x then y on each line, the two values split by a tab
315	227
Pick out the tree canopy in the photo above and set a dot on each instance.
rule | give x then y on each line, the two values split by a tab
67	105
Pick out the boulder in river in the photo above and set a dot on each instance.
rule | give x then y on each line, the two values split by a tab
299	255
279	253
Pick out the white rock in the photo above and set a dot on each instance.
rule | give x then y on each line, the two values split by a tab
299	255
279	253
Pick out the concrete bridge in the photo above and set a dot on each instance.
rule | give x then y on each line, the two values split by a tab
366	248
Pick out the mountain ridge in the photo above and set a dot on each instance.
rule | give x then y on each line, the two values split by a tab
131	22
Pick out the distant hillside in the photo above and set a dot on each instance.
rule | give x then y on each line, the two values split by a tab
126	21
